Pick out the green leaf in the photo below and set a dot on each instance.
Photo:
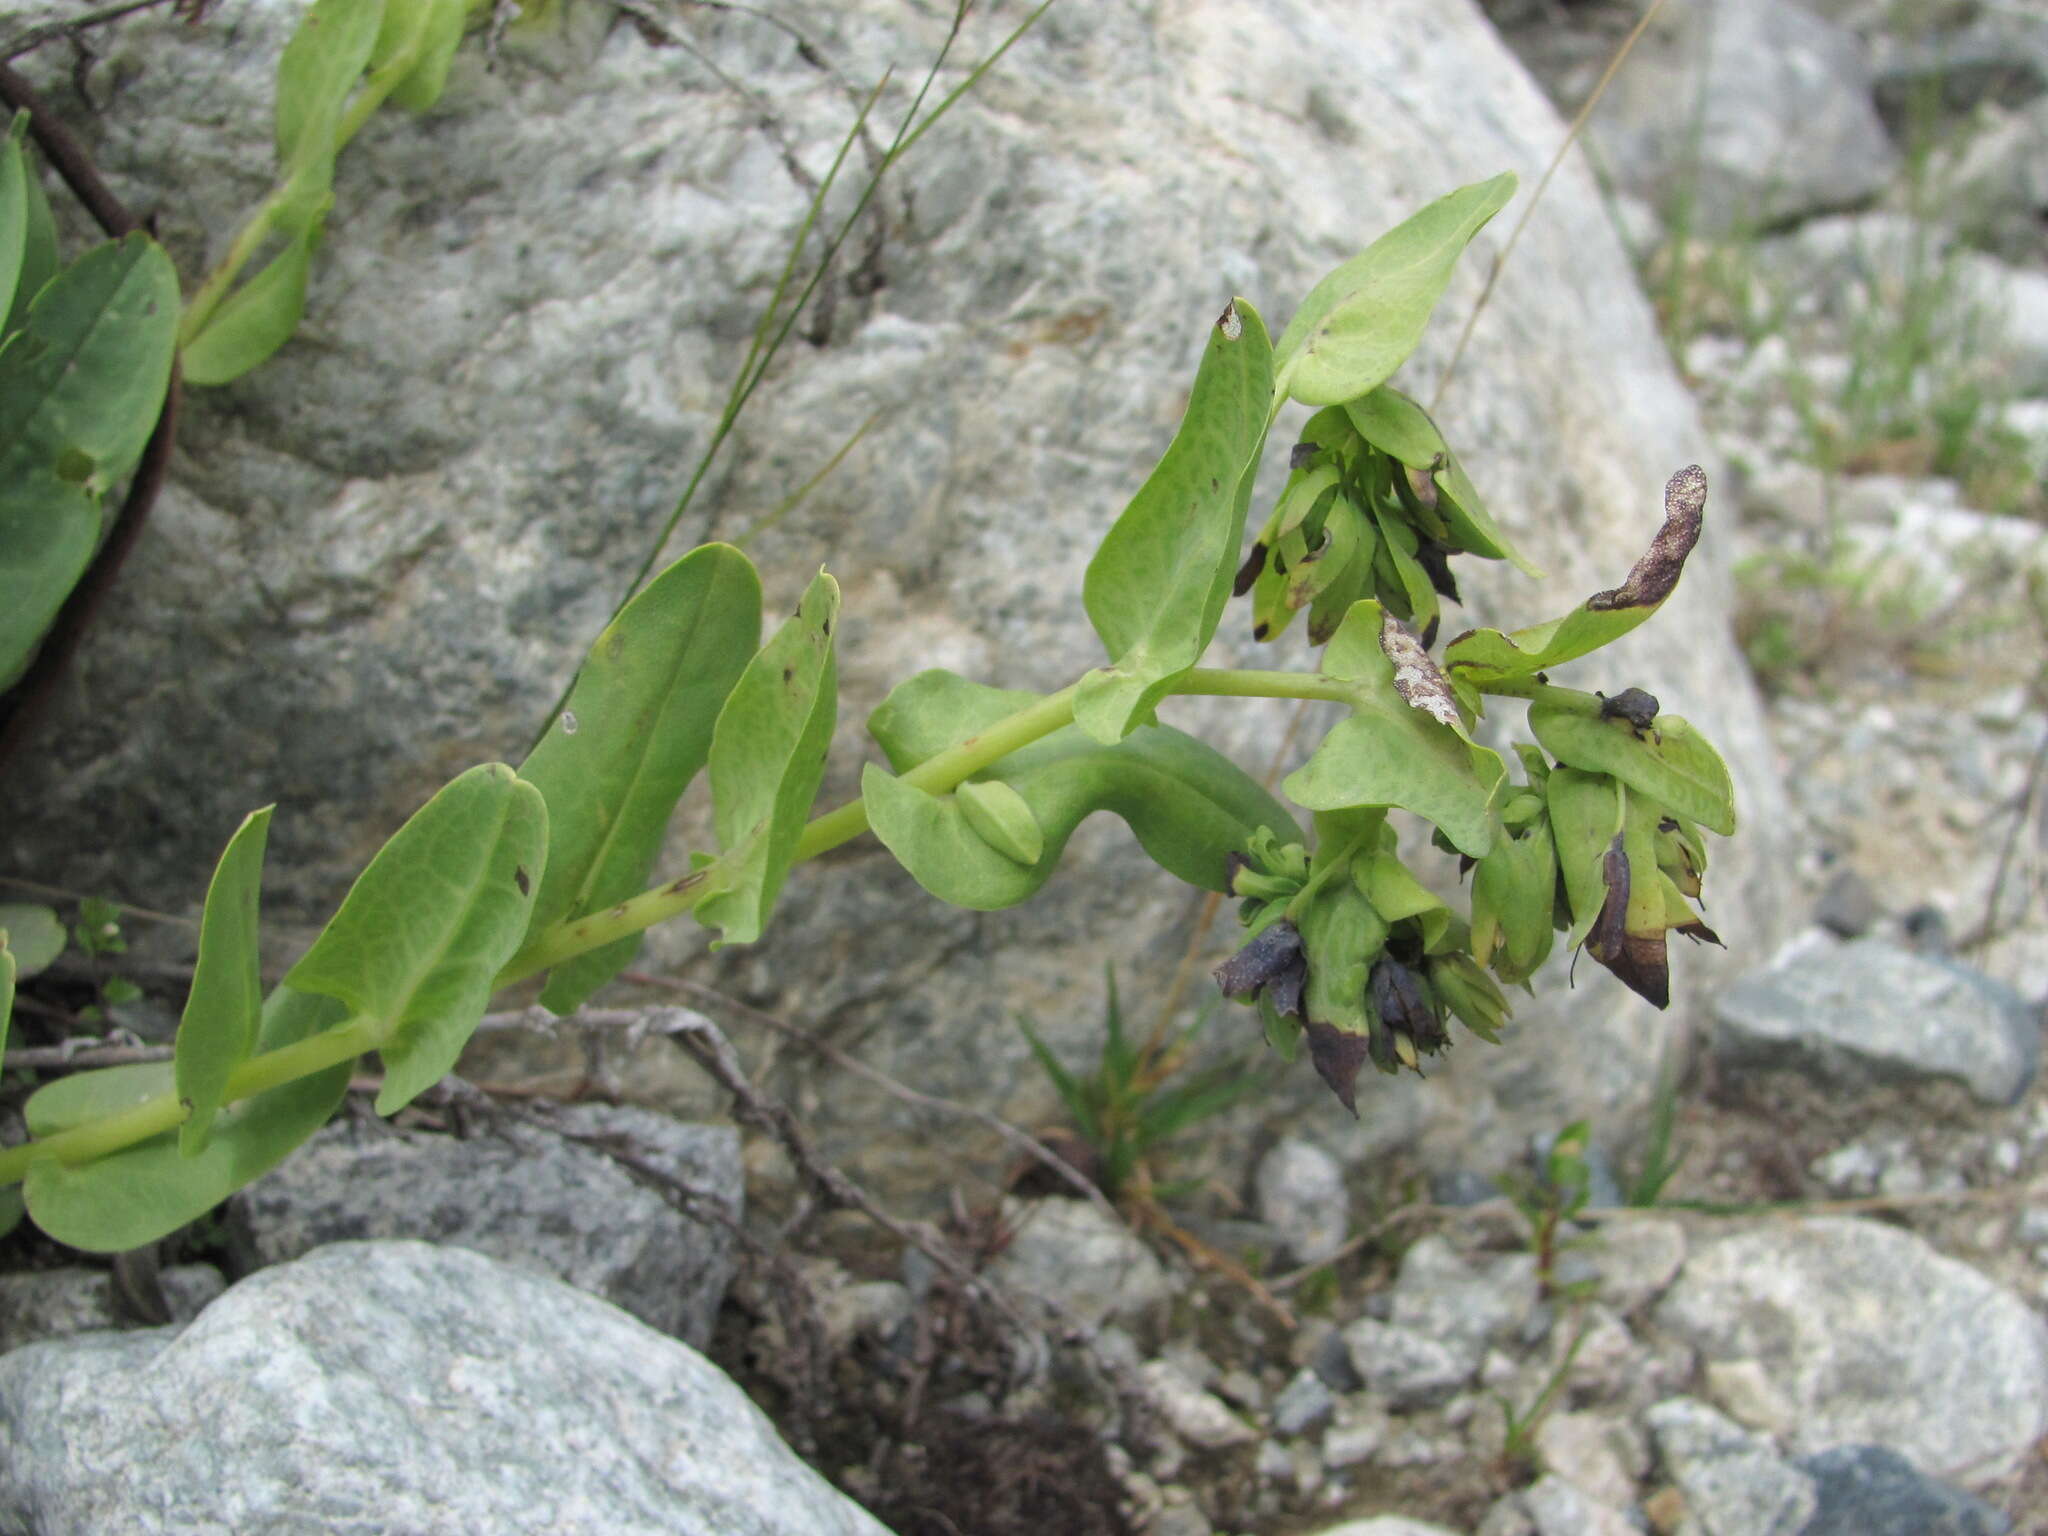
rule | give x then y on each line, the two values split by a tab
82	1097
1487	656
636	731
433	46
1360	323
258	317
1394	752
421	936
143	1192
1585	818
1188	805
767	758
1396	894
13	209
321	65
12	1208
1396	425
225	1006
1669	762
39	247
35	934
7	974
80	388
1156	589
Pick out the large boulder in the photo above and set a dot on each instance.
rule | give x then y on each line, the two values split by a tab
397	1387
382	553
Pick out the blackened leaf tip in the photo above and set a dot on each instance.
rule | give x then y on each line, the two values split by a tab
1685	503
1338	1056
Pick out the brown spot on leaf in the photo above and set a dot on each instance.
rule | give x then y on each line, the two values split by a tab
1638	959
1685	503
1417	678
520	879
1338	1056
1422	482
1229	322
1301	455
1254	563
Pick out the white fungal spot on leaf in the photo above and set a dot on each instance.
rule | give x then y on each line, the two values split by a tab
1417	678
569	722
1229	323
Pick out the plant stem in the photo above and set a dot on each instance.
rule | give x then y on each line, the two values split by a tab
935	775
1232	684
164	1111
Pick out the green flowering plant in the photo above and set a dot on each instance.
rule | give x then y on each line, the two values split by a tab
547	869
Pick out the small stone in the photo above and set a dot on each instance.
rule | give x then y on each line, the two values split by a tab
1273	1463
1871	1490
1507	1516
1080	1256
1732	1480
1743	1389
1190	1412
1180	1515
1353	1439
1408	1369
1636	1259
1847	906
1559	1508
1302	1196
1304	1404
1242	1388
1587	1451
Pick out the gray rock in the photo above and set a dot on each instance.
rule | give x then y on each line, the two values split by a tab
1850	261
1871	1336
1466	1306
1600	1454
1999	56
1735	1484
1387	1525
397	1387
1301	1193
1072	1253
56	1303
1408	1369
1870	1490
1730	112
1635	1258
1559	1508
1302	1405
382	554
1198	1417
1846	905
2000	181
537	1201
1866	1014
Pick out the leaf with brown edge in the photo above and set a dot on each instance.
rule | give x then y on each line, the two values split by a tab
1637	959
1338	1054
1485	656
